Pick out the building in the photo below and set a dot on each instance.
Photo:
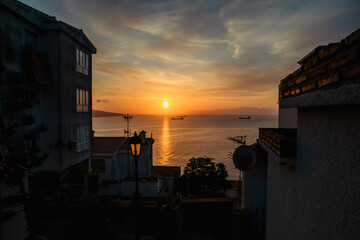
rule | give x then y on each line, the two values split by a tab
313	184
46	65
54	60
112	156
253	191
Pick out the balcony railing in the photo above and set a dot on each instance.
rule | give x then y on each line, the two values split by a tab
326	67
281	141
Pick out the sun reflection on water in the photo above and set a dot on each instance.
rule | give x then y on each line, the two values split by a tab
165	143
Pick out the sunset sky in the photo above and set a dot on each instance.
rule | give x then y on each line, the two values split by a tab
199	55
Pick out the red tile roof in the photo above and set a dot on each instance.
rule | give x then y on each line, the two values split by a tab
126	145
107	144
166	171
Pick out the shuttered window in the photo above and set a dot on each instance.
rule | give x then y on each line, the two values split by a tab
82	100
82	62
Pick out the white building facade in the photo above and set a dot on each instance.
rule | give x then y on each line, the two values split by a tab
313	171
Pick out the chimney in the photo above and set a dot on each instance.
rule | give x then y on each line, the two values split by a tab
143	136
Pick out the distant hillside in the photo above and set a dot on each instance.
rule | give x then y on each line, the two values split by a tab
240	111
98	113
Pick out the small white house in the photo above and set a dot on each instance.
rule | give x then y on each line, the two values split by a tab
112	156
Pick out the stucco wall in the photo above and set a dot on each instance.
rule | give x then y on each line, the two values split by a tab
319	197
254	188
287	118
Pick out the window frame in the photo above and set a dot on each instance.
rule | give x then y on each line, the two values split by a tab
82	138
82	100
82	61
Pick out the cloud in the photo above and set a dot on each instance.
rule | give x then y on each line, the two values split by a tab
102	100
208	52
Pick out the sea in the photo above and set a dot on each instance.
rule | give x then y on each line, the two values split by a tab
176	141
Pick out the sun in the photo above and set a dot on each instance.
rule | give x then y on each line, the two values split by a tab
165	104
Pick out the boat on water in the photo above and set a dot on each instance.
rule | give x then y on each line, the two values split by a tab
178	118
248	117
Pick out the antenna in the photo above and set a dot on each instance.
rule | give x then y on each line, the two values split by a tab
240	140
127	118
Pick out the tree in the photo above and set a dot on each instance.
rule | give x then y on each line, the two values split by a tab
202	175
20	153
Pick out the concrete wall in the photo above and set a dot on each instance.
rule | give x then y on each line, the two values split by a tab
70	118
145	161
319	197
15	228
120	163
146	188
108	171
254	188
124	163
287	118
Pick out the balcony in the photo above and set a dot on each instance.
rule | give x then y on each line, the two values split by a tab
280	143
329	75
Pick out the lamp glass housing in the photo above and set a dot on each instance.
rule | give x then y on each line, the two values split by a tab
135	145
135	149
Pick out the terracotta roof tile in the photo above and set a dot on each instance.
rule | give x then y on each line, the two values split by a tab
107	144
166	171
126	145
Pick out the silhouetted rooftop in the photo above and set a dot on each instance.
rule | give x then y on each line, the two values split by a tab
107	144
46	22
327	67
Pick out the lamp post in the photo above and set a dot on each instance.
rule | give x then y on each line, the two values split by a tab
135	144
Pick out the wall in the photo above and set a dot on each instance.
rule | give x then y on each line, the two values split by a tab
319	197
120	164
45	110
146	161
16	228
124	163
56	106
108	171
70	118
146	188
287	118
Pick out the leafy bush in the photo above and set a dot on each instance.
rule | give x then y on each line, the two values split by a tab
202	175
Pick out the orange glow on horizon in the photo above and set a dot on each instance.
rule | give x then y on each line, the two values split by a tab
155	104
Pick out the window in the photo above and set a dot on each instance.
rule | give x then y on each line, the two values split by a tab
82	62
83	138
82	100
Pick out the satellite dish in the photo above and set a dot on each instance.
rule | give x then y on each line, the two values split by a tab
244	158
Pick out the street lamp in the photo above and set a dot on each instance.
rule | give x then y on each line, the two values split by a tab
135	145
